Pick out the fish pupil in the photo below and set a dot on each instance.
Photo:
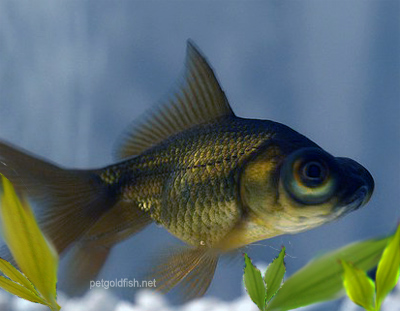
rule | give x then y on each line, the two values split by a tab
313	171
313	174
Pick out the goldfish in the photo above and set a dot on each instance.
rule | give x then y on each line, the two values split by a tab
214	180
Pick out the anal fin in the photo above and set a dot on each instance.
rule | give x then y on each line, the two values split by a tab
91	252
84	264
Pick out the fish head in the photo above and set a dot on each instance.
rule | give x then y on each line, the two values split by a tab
289	188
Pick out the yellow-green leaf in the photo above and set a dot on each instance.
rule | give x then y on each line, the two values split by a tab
34	255
274	275
387	274
321	279
359	287
15	275
254	283
20	291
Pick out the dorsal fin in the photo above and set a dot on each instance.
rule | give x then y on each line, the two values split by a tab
198	99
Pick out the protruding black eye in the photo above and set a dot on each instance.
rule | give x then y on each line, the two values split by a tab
309	175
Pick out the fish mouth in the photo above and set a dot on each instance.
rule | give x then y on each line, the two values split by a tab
358	186
358	199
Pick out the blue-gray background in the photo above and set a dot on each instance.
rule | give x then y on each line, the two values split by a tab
74	74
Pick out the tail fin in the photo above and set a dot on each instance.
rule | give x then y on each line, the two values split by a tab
70	201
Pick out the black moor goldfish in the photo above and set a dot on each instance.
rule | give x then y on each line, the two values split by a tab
212	179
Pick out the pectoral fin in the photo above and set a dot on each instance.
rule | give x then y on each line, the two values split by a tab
192	269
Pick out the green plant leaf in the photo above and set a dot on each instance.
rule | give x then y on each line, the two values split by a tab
34	255
387	274
359	287
321	279
15	275
274	275
20	291
254	283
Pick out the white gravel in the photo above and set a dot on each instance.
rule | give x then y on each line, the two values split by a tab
104	300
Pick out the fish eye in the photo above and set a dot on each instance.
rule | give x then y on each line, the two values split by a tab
313	173
309	176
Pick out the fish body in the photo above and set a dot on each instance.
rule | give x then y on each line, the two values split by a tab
214	180
190	183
